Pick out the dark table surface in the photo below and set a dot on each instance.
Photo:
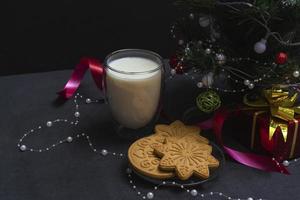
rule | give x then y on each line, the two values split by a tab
73	171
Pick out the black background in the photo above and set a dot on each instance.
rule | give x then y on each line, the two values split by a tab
48	35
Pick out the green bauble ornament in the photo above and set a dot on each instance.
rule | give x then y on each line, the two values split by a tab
208	101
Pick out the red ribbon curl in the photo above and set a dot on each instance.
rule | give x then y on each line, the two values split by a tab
97	70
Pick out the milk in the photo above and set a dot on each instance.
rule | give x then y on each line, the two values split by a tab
133	98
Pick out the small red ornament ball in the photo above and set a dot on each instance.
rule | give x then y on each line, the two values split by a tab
281	58
173	61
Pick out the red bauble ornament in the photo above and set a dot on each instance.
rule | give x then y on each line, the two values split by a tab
281	58
173	61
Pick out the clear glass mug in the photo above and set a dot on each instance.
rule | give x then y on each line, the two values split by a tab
134	84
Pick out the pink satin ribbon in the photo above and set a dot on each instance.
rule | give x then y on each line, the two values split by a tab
252	160
97	70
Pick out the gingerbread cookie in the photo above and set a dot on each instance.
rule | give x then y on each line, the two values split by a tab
143	160
186	158
178	130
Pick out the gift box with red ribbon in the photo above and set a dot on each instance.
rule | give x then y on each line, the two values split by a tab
252	129
269	125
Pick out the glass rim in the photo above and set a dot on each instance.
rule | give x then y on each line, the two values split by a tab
152	53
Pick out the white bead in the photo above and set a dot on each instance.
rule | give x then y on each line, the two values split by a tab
88	100
180	42
69	139
207	51
286	163
23	147
204	21
76	114
150	195
251	86
191	16
173	72
199	84
246	82
49	123
250	198
104	152
296	74
194	192
260	47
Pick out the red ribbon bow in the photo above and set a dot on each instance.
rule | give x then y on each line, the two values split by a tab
97	71
252	160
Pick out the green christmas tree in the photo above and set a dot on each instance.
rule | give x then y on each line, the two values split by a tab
238	46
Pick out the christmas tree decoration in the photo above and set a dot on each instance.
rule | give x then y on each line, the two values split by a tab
246	82
191	16
199	84
296	74
204	21
208	101
261	46
241	38
208	51
173	72
251	86
220	58
290	3
173	61
281	58
180	42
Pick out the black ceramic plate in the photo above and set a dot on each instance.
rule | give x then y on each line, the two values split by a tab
217	153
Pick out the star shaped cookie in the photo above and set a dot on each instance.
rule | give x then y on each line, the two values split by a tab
186	158
178	130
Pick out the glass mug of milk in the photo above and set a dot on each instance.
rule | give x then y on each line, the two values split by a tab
134	83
